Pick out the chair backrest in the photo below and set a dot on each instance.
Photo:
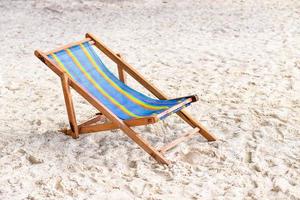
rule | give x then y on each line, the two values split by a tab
85	67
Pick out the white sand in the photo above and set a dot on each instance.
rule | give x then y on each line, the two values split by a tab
242	58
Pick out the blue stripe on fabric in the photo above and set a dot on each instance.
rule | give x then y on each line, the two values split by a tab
122	99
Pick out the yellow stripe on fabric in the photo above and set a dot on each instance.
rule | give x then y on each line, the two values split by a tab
99	88
60	63
117	87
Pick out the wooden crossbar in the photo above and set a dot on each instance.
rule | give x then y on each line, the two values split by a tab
98	128
70	45
92	121
86	123
111	126
175	142
86	127
173	108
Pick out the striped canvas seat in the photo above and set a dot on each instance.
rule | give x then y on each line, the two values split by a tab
84	66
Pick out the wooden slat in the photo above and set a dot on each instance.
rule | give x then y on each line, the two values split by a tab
141	121
110	126
68	46
194	97
98	128
178	140
93	120
87	128
174	108
88	122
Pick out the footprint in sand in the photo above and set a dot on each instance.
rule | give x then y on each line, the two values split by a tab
196	156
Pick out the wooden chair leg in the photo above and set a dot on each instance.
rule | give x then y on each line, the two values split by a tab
69	106
144	145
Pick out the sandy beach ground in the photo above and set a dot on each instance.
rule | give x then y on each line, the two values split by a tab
241	57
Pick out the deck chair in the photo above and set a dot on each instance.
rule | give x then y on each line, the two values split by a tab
79	67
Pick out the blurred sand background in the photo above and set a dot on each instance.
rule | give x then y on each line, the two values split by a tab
241	57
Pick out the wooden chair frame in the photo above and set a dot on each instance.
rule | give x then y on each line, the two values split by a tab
115	122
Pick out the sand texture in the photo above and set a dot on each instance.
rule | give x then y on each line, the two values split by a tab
241	57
